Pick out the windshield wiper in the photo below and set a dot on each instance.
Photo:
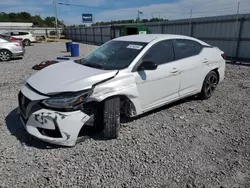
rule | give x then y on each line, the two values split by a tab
94	65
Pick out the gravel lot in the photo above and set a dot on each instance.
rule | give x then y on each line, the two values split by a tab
188	144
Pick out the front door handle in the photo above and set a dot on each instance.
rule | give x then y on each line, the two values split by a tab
174	70
205	60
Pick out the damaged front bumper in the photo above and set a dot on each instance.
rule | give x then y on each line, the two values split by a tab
61	128
55	128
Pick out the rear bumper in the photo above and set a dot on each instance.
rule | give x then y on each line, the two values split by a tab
18	53
221	71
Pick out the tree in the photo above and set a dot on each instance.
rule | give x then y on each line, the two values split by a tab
145	20
37	21
24	16
27	17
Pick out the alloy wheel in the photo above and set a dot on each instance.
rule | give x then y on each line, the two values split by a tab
4	55
211	84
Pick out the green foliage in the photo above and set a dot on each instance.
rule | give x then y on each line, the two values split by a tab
129	21
27	17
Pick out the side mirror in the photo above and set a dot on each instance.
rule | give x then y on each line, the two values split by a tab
147	65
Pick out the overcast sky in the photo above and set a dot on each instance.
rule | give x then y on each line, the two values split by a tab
126	9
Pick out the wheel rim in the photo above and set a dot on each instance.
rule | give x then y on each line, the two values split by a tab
26	43
211	84
4	55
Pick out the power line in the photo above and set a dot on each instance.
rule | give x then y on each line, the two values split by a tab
106	8
220	6
222	10
197	4
95	7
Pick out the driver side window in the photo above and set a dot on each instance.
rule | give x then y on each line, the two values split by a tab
160	53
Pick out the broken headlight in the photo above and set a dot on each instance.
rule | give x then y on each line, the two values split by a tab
68	101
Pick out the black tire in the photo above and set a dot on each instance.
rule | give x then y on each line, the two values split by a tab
5	55
111	117
26	42
209	85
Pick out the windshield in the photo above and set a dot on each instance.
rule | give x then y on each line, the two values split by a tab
113	55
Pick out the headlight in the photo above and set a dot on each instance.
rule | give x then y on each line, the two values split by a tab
67	101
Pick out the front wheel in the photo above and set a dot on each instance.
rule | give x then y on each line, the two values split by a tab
5	55
209	85
111	117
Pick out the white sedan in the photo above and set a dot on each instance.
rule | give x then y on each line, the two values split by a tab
129	75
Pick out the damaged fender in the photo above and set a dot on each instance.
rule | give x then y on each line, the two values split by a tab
123	85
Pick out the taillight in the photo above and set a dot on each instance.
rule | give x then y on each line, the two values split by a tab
17	44
224	56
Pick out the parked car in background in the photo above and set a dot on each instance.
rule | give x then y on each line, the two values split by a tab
9	49
129	75
13	39
27	36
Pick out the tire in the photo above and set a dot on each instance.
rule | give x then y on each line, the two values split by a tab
26	42
111	118
209	85
5	55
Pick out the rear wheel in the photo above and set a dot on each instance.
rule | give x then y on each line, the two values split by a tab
111	117
26	42
209	85
5	55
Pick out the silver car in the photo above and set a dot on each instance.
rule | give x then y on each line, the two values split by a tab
9	49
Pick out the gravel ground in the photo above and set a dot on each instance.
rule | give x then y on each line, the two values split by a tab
188	144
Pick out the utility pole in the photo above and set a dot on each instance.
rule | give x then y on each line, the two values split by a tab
55	15
138	16
236	26
190	21
237	19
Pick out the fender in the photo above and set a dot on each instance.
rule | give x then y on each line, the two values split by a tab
123	86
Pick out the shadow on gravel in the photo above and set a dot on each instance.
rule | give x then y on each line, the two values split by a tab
17	58
125	119
12	60
16	128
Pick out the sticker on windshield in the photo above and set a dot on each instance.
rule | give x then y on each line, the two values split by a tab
133	46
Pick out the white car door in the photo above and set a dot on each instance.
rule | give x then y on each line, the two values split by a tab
192	65
159	86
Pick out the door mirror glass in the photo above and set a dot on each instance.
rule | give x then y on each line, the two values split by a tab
147	65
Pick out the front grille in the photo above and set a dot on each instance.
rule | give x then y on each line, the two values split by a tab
23	103
50	133
27	107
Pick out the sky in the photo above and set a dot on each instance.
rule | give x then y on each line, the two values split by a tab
126	9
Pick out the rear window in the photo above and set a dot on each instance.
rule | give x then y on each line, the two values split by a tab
186	48
23	33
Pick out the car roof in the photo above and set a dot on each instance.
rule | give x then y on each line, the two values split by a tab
150	37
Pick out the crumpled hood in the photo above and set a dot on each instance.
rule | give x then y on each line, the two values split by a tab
67	76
